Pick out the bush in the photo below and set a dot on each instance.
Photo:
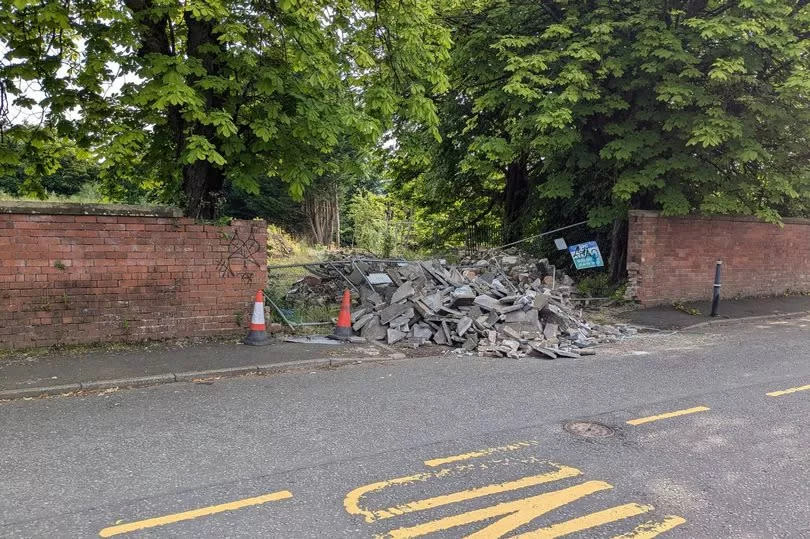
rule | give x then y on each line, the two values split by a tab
596	286
281	244
379	223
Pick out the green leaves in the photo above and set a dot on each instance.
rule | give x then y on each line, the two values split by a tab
200	149
723	69
261	93
629	104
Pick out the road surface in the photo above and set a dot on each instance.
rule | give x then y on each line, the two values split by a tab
706	436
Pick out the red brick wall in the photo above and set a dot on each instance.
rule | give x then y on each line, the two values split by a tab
673	258
68	279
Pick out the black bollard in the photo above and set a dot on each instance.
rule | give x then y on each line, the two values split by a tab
716	291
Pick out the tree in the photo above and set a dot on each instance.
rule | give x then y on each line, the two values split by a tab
679	105
192	97
44	167
381	225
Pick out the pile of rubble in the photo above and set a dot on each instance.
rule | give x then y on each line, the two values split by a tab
504	306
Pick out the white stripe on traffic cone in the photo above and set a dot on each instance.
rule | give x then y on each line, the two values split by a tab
257	336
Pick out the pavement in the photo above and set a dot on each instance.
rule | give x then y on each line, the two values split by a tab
708	438
669	317
54	372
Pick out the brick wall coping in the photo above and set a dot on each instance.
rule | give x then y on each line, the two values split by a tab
737	218
79	208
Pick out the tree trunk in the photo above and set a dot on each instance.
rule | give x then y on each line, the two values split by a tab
618	251
320	208
202	180
516	195
202	185
337	218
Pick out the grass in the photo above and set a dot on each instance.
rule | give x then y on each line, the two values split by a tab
88	194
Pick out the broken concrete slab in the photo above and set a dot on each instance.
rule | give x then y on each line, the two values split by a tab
395	335
393	311
357	313
470	343
511	332
356	277
487	303
381	279
463	295
463	325
554	314
540	301
373	330
403	292
358	325
422	331
440	338
446	330
401	320
542	350
503	309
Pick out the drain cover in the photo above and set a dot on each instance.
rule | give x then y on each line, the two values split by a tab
588	429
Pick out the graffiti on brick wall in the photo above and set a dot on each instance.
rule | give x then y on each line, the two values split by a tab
240	258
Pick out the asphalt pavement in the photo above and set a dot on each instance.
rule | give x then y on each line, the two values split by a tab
680	315
706	436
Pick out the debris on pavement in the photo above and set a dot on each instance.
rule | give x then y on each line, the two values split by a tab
506	305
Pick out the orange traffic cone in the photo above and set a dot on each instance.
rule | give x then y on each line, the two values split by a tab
343	330
257	336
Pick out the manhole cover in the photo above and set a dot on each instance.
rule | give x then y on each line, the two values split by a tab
588	429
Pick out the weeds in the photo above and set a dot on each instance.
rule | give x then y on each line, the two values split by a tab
684	309
599	285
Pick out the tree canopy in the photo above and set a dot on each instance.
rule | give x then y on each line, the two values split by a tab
587	108
182	98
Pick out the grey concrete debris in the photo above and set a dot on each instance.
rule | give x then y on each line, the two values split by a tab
487	303
422	332
362	321
403	292
463	325
373	330
463	295
395	335
510	332
393	311
505	305
381	279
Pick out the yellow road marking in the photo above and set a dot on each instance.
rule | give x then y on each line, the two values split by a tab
194	513
480	453
588	521
517	513
667	415
479	492
650	529
788	391
352	500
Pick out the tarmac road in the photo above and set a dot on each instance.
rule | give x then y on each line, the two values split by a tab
709	439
